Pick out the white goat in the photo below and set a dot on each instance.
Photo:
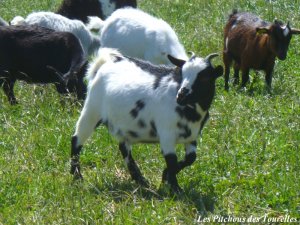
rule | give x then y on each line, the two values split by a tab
141	102
89	41
138	34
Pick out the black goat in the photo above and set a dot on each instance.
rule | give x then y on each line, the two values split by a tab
81	9
39	55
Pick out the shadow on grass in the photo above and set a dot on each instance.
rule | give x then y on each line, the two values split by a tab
122	191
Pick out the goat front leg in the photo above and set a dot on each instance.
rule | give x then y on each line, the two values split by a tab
88	121
190	156
131	165
245	76
269	75
169	173
227	62
8	87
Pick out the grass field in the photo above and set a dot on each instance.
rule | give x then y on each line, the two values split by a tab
248	164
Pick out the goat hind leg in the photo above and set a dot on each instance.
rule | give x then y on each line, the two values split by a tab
131	164
227	62
88	121
8	87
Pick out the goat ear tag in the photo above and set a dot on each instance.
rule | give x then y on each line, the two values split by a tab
176	62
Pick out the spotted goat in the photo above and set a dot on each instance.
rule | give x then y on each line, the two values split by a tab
252	43
141	103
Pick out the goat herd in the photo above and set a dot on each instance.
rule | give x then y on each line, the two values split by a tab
137	99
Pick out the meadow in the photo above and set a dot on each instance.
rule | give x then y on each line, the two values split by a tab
247	164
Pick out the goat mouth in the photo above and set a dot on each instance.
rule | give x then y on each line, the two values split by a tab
282	56
182	100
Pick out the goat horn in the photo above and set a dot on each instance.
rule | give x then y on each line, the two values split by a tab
193	55
295	31
58	74
211	56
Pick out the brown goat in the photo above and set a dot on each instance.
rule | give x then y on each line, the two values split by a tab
252	43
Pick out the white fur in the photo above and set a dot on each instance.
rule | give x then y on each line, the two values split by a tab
138	34
108	7
116	87
286	31
89	41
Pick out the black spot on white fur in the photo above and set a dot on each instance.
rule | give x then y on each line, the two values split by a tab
153	131
186	131
188	112
159	71
141	124
139	105
133	134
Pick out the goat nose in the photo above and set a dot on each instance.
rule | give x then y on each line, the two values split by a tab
183	92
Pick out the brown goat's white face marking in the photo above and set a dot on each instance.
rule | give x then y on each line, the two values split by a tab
286	31
107	7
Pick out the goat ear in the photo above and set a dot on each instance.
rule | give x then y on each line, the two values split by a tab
262	30
295	31
218	71
176	62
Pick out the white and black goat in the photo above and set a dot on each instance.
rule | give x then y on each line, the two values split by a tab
89	41
40	55
140	103
81	9
137	34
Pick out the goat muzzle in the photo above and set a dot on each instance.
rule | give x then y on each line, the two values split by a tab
181	97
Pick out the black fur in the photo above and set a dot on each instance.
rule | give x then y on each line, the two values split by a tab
132	166
159	71
141	123
39	55
189	113
133	134
81	9
153	131
75	152
139	105
186	130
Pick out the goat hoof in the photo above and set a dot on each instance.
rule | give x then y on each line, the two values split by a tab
176	189
143	182
165	176
77	177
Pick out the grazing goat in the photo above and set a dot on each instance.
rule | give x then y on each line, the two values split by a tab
81	9
137	34
40	55
254	44
140	102
89	41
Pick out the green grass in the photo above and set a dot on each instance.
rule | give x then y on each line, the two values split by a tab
248	158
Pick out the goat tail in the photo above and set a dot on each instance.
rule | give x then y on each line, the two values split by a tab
104	55
95	24
18	20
